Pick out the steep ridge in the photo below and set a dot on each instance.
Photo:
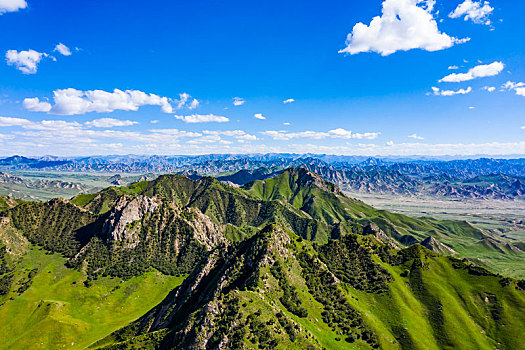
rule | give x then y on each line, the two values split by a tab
277	291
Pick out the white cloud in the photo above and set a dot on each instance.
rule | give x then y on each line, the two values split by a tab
259	116
176	132
481	71
489	88
523	127
238	101
472	107
63	49
183	98
35	105
415	136
403	25
519	88
194	104
436	91
71	101
246	137
318	135
6	137
287	124
109	123
10	121
12	5
477	11
24	61
240	135
155	121
453	67
202	118
206	139
290	100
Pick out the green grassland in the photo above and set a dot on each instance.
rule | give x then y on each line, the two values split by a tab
58	311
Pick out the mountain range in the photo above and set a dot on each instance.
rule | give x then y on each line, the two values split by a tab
502	179
285	262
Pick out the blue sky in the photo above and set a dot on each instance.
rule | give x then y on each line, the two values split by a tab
367	94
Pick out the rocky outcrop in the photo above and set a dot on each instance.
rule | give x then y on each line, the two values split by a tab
205	230
436	246
125	212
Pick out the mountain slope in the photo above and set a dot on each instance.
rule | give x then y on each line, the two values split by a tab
286	262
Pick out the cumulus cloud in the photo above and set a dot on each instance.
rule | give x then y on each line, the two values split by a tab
202	118
24	61
404	25
238	101
489	88
72	101
477	11
416	137
437	92
453	67
290	100
35	105
12	5
518	88
63	49
259	116
481	71
318	135
110	122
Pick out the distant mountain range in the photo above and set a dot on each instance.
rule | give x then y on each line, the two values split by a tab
482	178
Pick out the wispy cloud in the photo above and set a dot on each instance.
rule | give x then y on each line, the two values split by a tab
202	118
415	136
438	92
110	122
238	101
481	71
290	100
318	135
518	88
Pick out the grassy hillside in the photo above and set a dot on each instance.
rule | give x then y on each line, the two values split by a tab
305	296
51	308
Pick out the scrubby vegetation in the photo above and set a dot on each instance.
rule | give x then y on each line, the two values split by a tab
352	262
338	314
289	299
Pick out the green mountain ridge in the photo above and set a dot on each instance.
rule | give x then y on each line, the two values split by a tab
286	262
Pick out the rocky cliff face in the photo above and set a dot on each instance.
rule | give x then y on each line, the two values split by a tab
126	211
